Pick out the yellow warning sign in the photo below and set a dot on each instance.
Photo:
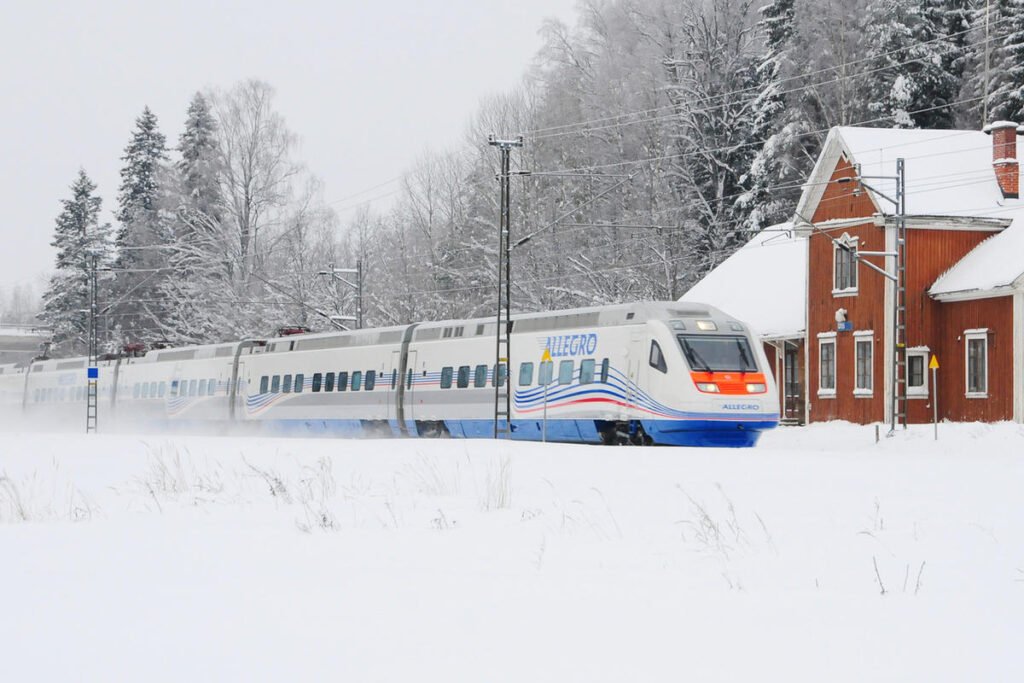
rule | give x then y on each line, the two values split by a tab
546	358
934	364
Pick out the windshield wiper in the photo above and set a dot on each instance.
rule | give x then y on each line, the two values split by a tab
697	358
743	355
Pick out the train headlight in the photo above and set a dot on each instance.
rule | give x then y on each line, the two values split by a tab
756	388
708	387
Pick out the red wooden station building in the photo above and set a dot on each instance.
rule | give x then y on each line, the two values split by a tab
821	289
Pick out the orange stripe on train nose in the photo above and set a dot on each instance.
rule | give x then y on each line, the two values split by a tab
730	382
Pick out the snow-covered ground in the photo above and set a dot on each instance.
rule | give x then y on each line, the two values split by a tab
148	558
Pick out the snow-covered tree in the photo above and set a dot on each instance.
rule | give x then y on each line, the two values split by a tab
78	235
1006	89
143	234
198	256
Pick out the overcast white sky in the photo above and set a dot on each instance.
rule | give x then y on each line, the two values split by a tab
366	85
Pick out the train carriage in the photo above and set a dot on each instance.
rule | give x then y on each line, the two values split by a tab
661	373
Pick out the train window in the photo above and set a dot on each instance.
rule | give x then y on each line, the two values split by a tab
136	390
604	371
587	371
565	372
480	376
501	375
212	389
408	380
174	388
275	384
318	380
161	389
342	381
202	387
463	379
525	374
371	380
300	383
152	389
479	330
191	387
447	333
286	385
657	359
63	393
264	384
357	380
394	378
545	373
329	381
145	390
446	377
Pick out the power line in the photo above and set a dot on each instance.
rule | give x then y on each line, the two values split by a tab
681	155
533	133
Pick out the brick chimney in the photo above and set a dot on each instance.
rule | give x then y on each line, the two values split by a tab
1004	157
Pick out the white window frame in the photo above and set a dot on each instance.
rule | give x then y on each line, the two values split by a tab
969	336
827	338
864	337
853	243
922	391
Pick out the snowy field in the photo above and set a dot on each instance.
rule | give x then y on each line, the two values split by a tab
817	556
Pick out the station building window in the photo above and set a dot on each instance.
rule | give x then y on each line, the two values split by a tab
844	272
976	363
917	372
827	364
864	363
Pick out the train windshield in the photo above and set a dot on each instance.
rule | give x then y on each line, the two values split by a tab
717	353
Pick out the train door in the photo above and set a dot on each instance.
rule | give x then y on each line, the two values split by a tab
239	391
635	361
409	399
393	397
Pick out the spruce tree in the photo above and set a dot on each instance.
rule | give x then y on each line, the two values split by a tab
144	232
78	235
1006	82
782	159
195	307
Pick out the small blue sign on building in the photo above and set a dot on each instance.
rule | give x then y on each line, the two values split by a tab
93	373
845	326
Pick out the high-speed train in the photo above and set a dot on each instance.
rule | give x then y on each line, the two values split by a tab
646	373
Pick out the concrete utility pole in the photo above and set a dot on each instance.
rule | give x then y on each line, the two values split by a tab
503	327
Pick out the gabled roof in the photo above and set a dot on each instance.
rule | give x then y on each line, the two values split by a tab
948	172
992	267
764	284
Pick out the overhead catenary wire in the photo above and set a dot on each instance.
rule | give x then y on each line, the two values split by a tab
541	133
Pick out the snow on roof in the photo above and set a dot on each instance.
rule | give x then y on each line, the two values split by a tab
763	284
992	265
948	172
